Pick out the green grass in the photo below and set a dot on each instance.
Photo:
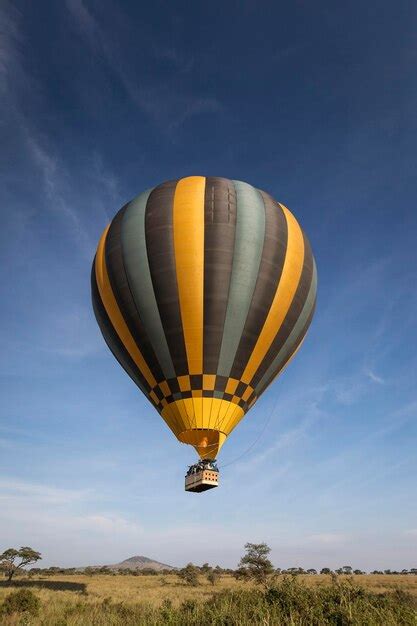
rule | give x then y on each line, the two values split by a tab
148	601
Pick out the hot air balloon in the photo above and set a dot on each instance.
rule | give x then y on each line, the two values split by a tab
203	289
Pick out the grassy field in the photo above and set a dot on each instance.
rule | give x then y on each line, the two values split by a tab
80	600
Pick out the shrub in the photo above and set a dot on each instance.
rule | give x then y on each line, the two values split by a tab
189	574
213	576
21	601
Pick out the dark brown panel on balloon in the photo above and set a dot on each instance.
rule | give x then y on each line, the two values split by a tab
161	256
219	236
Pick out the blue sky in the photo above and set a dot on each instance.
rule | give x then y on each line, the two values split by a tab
312	102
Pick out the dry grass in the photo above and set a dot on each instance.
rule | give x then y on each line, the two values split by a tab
127	589
155	589
378	583
69	596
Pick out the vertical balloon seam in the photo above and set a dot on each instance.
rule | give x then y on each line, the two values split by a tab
172	419
249	239
218	258
234	419
131	312
290	276
219	236
246	198
160	247
138	275
296	334
161	257
278	249
119	283
268	277
224	409
293	312
136	264
229	418
216	424
114	314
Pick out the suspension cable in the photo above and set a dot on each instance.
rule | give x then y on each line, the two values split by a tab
253	444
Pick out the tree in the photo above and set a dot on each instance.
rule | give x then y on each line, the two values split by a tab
255	564
325	570
205	568
9	559
89	570
189	574
295	571
312	571
213	576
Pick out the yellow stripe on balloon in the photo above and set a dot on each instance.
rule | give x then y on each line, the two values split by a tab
188	221
113	311
287	286
233	419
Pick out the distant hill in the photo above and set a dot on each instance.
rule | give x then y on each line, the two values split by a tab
139	562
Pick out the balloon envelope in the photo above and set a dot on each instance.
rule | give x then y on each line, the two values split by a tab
203	289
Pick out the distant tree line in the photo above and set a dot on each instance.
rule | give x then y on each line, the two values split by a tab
254	565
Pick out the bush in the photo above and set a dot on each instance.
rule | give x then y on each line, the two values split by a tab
21	601
213	576
189	574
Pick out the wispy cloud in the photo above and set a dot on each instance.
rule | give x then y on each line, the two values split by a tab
164	100
9	39
18	85
286	440
109	524
374	377
327	538
35	512
69	333
55	178
35	493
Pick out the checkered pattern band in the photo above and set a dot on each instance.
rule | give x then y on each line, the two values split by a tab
202	386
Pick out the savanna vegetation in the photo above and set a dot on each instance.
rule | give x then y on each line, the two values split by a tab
254	594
